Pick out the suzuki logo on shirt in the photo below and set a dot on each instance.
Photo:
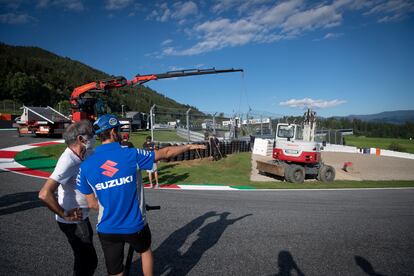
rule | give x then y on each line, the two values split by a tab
109	169
114	183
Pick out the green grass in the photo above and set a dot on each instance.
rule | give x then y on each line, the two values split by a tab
233	170
138	138
383	143
41	158
54	151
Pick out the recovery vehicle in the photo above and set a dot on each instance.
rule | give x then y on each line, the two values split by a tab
296	155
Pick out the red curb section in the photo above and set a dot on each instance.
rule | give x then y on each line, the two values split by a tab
28	171
44	144
8	153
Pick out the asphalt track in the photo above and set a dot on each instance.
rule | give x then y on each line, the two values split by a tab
366	232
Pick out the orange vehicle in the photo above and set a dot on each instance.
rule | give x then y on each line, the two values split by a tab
87	105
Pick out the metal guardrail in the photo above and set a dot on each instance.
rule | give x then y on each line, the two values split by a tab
191	135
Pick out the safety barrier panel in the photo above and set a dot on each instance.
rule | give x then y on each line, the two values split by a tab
194	136
373	151
263	147
340	148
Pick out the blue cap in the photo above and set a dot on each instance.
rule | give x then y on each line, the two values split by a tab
105	122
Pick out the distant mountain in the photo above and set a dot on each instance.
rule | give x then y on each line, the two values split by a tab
36	77
391	117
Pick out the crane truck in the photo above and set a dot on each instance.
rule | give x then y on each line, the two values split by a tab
296	155
86	104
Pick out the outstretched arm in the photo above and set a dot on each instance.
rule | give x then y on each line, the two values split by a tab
170	152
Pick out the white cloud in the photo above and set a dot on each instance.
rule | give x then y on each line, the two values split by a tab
392	10
179	11
264	21
117	4
222	6
166	42
311	103
274	16
72	5
162	13
184	9
219	34
332	35
320	17
263	25
14	18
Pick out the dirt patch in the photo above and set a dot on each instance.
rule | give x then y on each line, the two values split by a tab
370	167
364	167
255	176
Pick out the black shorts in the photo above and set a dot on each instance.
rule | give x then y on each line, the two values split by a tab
113	247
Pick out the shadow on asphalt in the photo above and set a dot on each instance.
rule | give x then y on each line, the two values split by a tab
287	265
170	260
366	266
20	201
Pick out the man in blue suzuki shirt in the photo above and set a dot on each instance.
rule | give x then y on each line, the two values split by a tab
109	181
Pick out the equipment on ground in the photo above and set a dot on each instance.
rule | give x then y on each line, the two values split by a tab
296	155
41	121
87	105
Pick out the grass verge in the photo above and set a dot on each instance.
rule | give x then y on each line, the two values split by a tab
383	143
233	170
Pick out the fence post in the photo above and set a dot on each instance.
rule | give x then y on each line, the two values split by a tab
261	125
152	122
214	123
188	123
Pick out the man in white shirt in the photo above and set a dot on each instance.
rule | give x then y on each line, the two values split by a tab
70	206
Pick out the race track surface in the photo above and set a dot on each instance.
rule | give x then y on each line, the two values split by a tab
366	232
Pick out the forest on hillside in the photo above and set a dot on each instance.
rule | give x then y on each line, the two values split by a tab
36	77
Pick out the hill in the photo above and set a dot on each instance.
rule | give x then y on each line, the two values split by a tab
392	117
36	77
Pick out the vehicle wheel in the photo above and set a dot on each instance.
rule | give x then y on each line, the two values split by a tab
326	173
288	173
296	174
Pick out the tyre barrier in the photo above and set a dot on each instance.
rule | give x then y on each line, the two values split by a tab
225	147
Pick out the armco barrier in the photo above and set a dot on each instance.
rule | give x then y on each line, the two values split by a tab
373	151
340	148
194	136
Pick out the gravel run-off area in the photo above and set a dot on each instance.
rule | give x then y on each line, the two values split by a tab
364	167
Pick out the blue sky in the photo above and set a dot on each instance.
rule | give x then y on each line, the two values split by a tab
340	57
